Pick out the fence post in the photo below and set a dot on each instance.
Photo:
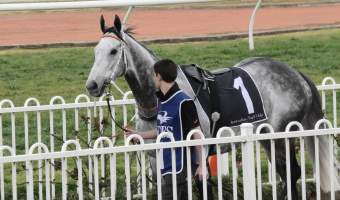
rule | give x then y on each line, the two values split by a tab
248	163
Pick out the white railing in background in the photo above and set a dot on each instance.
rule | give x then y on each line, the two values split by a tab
91	4
95	110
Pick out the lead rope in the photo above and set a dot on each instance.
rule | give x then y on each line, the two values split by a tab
108	94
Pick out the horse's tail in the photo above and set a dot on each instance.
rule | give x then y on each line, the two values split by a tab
314	114
316	107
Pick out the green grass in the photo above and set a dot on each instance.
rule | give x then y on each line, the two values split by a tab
43	73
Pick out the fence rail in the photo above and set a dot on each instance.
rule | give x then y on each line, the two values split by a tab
246	140
91	4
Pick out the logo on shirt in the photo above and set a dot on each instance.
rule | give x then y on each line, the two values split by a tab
162	117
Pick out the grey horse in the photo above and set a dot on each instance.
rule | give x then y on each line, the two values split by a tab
287	95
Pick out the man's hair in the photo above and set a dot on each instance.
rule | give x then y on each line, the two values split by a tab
167	69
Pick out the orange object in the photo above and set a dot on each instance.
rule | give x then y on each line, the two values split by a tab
213	165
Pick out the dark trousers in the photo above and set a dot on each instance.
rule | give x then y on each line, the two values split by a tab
182	186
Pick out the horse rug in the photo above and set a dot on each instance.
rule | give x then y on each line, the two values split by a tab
231	92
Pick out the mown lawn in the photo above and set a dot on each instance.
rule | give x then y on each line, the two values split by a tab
43	73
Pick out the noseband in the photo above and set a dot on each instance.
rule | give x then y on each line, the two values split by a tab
125	64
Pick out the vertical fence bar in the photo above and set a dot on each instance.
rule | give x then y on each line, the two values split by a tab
113	125
327	124
38	123
219	174
26	152
113	158
51	115
102	129
219	133
13	132
125	123
335	117
127	176
39	162
65	174
160	165
89	142
99	144
234	170
113	175
40	146
189	173
47	180
64	177
273	168
303	168
14	171
248	164
138	165
258	168
323	95
96	178
288	172
173	174
198	134
142	163
331	165
317	167
159	175
2	179
288	166
53	134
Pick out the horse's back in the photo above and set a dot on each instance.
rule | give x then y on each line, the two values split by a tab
286	94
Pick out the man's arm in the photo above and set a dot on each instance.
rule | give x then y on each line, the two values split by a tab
191	122
151	134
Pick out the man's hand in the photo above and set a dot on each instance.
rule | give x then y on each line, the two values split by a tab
128	131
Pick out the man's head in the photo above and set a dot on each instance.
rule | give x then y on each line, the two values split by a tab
165	70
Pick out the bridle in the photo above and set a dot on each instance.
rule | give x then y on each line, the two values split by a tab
125	65
122	54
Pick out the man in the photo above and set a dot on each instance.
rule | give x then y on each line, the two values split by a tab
177	114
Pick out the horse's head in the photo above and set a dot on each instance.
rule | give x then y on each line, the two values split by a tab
109	60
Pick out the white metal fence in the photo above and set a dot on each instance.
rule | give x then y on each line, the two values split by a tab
39	149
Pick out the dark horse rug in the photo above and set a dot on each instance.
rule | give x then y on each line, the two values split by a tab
230	92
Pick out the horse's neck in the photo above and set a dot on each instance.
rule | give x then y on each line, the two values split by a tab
139	74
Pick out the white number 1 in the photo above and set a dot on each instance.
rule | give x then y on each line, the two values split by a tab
238	84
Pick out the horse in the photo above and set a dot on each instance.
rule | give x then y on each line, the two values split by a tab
287	95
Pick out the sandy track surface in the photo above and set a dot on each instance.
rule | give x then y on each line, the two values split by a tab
83	26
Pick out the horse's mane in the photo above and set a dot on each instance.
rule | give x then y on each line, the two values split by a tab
130	32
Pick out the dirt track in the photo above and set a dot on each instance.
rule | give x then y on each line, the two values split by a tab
83	26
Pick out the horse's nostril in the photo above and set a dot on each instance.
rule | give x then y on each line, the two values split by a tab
91	86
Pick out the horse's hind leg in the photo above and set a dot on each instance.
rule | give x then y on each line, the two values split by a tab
281	168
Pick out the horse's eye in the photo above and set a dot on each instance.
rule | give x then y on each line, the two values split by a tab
113	51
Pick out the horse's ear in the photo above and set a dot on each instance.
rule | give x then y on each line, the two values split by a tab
118	24
102	24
